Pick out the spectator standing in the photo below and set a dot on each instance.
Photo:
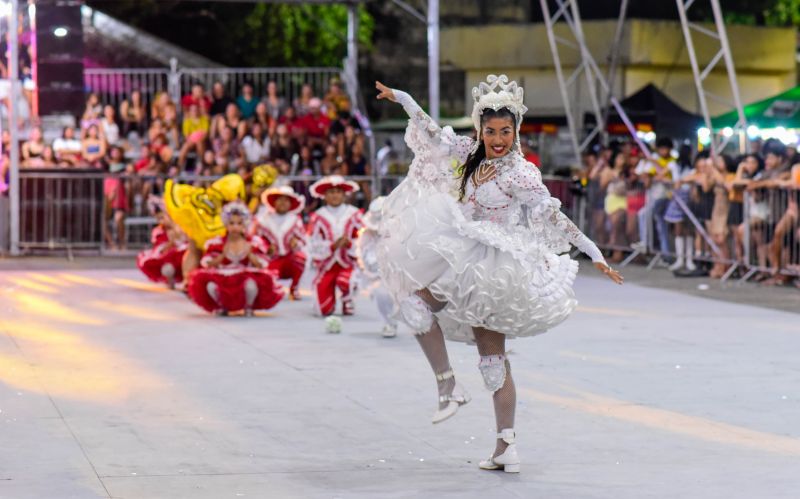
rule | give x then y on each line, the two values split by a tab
116	198
657	174
612	181
748	167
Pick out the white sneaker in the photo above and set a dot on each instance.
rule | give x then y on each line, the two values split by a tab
677	265
389	331
508	461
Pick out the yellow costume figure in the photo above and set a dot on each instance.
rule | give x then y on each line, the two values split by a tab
197	210
263	176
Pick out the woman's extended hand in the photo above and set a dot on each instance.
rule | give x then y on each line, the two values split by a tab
385	92
608	271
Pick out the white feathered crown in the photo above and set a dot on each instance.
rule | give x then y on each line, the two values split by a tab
496	93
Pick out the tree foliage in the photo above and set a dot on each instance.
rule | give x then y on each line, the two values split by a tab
248	34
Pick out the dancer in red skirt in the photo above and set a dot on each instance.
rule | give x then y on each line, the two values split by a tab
233	273
279	224
162	262
332	230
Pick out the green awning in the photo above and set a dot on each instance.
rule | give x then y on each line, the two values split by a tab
780	110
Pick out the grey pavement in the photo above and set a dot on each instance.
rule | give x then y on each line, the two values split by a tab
113	387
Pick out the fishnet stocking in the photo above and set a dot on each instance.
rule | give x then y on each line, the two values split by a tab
505	399
433	346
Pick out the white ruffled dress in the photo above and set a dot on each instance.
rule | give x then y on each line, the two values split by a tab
498	259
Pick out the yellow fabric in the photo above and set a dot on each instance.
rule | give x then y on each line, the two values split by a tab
615	202
195	125
197	210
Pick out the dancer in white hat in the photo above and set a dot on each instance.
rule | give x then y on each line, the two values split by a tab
280	225
332	230
478	252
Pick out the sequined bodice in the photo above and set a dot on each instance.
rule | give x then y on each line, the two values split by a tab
488	201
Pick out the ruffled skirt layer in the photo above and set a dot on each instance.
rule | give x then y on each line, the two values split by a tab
230	283
487	275
151	262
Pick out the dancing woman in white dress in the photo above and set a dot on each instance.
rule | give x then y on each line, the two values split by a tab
475	248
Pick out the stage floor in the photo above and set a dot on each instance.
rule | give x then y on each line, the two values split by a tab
113	387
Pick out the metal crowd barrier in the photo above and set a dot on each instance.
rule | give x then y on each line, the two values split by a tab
68	210
758	235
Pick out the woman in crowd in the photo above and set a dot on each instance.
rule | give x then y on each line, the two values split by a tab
256	145
748	167
68	148
302	104
613	181
720	172
133	114
93	147
195	132
109	128
274	103
32	149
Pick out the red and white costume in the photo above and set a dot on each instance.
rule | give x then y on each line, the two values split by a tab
163	260
334	266
284	236
231	279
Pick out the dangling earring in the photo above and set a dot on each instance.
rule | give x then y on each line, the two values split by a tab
477	143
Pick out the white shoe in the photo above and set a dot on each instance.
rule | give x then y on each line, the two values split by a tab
677	265
455	399
690	266
508	461
389	331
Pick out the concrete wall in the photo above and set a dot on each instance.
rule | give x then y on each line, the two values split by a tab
651	52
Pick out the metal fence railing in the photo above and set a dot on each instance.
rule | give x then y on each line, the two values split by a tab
729	231
115	85
87	209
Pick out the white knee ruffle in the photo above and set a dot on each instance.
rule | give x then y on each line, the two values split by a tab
493	369
416	314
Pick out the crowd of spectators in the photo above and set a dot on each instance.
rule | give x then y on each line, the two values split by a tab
207	134
635	203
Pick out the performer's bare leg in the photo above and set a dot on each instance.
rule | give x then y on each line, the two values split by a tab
191	258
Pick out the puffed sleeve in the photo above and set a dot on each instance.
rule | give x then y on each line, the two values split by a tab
430	133
545	217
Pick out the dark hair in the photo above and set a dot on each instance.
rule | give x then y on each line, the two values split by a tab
474	159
